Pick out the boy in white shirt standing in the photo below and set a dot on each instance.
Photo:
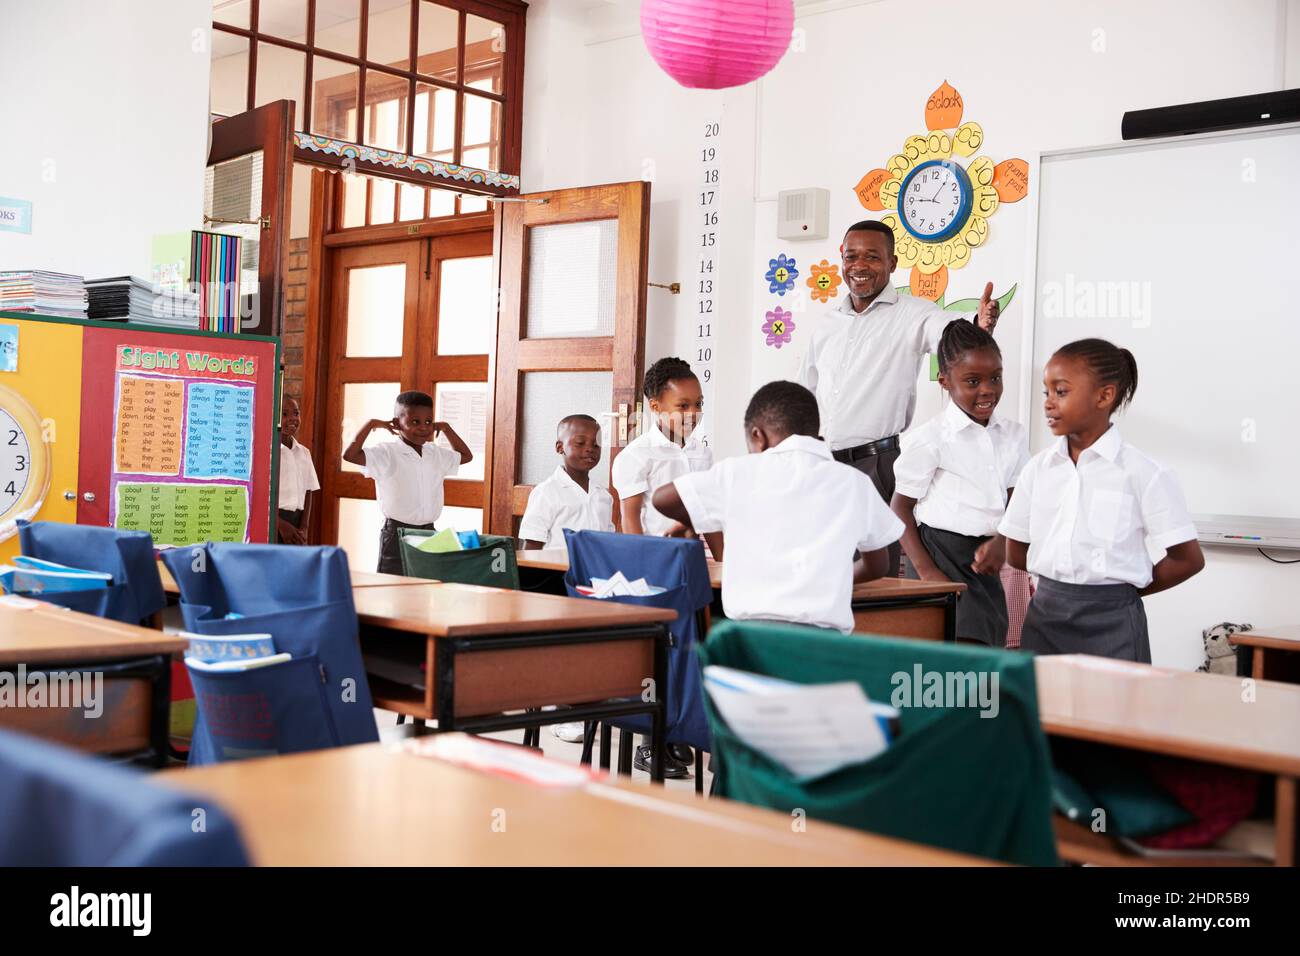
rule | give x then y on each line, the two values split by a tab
568	498
298	478
408	473
801	528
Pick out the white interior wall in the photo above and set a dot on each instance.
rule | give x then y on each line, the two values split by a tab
106	131
1037	76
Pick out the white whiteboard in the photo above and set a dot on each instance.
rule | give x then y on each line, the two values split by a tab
1187	252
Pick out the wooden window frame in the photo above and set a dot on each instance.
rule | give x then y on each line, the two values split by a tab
511	14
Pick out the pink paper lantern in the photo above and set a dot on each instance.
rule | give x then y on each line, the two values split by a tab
714	44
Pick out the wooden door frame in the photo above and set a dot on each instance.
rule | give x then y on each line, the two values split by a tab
623	352
325	242
267	128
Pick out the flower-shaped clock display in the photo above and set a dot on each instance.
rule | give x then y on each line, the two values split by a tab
939	204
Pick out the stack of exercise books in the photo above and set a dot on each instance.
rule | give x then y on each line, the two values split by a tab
45	293
132	299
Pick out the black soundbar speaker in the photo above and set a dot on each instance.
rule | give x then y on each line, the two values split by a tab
1236	112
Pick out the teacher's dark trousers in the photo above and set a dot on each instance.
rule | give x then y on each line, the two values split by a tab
880	469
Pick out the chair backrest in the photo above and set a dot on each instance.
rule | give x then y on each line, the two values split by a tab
679	566
302	597
492	564
970	771
136	593
278	709
59	807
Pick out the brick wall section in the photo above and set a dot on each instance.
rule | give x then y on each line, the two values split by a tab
295	316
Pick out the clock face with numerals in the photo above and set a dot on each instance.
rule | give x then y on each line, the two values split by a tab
24	461
935	200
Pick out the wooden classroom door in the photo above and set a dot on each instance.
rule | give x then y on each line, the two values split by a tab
415	314
571	330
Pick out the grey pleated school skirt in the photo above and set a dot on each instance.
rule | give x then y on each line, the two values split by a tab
1106	620
982	608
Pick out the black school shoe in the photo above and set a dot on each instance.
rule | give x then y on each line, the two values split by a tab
682	753
674	769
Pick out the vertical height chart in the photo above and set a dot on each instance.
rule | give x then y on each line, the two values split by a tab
708	206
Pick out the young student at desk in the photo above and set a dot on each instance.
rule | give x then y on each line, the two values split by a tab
953	479
568	498
1083	509
408	473
800	527
664	451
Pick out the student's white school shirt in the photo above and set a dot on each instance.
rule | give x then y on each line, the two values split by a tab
297	476
558	503
959	471
863	366
1089	524
408	483
649	462
791	518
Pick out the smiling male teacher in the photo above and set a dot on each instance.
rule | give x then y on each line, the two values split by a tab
865	356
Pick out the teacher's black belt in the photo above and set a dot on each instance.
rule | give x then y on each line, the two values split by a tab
878	447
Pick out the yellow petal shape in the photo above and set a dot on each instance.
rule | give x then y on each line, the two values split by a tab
914	149
944	108
889	194
958	252
986	201
976	231
980	171
931	260
968	139
939	145
898	166
908	251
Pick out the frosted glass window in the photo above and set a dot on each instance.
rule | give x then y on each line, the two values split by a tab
376	310
462	519
549	396
383	197
359	522
572	279
363	401
464	406
411	202
473	203
354	201
466	307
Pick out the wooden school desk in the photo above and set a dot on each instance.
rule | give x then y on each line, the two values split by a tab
892	606
373	805
485	651
1179	714
1275	652
136	667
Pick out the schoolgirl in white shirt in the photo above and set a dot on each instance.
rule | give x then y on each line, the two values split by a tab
954	478
1084	510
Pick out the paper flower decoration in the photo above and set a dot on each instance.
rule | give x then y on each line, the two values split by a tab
715	44
989	185
781	274
824	281
778	327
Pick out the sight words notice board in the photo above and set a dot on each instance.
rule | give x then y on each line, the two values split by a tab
178	434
